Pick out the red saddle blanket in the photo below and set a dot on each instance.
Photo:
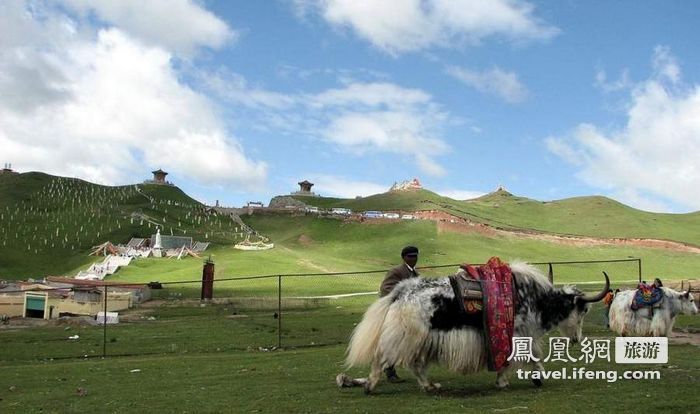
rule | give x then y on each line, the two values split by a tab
498	309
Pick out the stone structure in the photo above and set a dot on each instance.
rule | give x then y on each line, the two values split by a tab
411	185
286	202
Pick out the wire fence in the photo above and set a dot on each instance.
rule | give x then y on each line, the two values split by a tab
252	313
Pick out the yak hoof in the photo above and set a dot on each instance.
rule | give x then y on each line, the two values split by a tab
537	382
342	381
432	387
502	386
368	390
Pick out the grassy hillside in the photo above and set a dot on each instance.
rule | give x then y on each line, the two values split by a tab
393	200
309	244
585	216
49	224
590	216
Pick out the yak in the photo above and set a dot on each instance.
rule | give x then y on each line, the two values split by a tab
419	322
654	321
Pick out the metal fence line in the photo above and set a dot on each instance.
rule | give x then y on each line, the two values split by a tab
280	308
345	273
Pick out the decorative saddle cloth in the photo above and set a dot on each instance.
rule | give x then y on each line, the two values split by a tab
488	289
647	296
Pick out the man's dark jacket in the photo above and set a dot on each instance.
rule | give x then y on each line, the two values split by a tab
394	276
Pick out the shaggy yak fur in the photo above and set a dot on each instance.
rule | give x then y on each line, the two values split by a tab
419	322
655	321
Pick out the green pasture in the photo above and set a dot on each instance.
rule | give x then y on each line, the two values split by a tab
321	245
220	358
584	216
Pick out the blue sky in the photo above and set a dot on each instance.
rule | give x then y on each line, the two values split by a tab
239	100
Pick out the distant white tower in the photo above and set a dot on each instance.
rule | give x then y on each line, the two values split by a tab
157	244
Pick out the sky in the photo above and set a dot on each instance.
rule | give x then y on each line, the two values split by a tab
240	100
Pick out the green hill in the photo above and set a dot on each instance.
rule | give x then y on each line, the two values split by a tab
49	224
321	245
593	216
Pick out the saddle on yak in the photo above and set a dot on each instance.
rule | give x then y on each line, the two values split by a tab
487	291
647	296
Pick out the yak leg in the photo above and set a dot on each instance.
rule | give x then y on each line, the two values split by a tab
659	326
537	353
420	370
502	378
374	375
342	380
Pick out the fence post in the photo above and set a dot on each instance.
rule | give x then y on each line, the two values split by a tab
208	280
279	311
639	264
550	274
104	327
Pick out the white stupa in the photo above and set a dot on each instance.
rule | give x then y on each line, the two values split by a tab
157	245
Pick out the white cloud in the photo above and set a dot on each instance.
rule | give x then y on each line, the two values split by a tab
494	81
376	94
655	156
103	106
233	87
362	118
180	26
342	187
622	83
397	26
460	194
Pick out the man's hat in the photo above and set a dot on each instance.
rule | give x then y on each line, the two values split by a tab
409	251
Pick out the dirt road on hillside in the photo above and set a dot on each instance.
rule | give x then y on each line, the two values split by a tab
450	223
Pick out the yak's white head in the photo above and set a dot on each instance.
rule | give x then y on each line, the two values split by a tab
685	302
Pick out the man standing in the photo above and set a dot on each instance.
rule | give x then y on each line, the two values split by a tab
407	270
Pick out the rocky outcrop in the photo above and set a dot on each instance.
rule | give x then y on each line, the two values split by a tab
284	201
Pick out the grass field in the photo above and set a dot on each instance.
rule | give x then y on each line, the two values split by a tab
200	359
318	245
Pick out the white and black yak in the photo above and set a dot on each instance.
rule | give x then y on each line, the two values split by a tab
655	321
420	322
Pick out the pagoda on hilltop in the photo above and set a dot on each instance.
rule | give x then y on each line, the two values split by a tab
305	189
408	185
158	178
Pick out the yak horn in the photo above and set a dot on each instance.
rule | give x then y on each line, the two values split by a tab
601	295
687	292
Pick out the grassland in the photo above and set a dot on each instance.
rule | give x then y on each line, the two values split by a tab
216	359
318	245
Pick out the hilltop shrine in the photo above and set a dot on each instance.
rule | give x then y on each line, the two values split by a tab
305	189
159	178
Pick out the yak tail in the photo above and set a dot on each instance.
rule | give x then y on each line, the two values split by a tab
365	337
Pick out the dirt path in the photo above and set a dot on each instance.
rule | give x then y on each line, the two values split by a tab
682	338
449	223
307	262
